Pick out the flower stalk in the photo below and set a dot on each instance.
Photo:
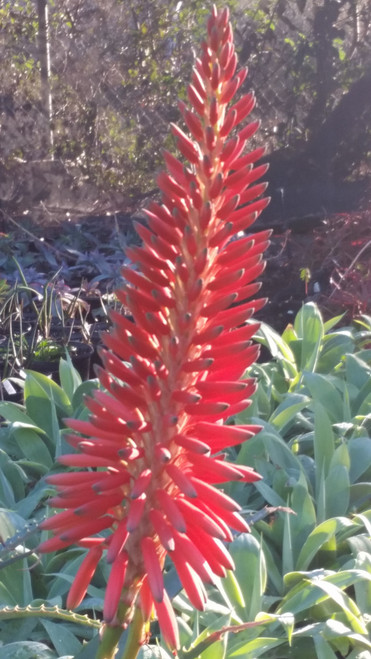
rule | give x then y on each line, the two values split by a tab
147	459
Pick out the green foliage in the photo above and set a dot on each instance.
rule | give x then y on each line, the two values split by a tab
302	583
29	444
314	453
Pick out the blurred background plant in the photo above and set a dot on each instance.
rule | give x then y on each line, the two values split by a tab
87	89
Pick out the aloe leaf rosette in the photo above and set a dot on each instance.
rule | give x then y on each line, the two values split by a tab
141	483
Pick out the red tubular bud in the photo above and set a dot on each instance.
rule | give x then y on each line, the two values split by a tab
221	282
195	100
89	527
239	179
211	495
135	512
229	123
229	91
207	335
195	289
198	84
229	148
223	17
83	577
214	39
230	160
210	138
153	568
190	241
241	75
168	232
228	207
207	166
114	587
191	444
181	480
183	272
211	23
215	76
200	262
206	64
167	621
185	145
162	212
256	207
165	300
220	304
174	166
228	34
194	125
214	111
254	174
196	196
145	257
170	186
205	215
251	157
184	397
216	186
157	323
171	510
249	130
244	106
197	365
230	68
163	530
223	234
225	55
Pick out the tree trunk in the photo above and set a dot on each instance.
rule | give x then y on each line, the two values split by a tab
44	59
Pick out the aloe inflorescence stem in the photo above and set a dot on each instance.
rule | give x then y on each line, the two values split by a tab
170	378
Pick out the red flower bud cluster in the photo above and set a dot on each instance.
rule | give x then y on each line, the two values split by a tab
151	449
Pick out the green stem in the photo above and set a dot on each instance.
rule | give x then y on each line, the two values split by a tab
109	640
135	636
110	637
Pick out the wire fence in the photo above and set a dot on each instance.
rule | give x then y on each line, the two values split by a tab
87	90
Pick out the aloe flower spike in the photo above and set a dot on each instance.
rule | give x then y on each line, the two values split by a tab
173	376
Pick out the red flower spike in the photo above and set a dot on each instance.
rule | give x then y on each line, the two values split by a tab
172	374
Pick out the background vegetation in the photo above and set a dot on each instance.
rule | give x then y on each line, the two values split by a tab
94	90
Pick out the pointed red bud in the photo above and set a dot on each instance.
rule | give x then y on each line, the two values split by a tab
186	146
214	111
215	76
225	54
171	510
194	125
195	99
153	568
229	89
229	123
114	587
228	73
